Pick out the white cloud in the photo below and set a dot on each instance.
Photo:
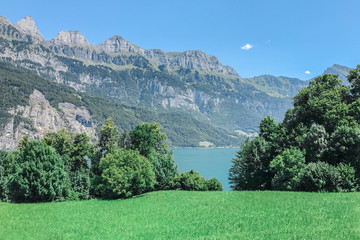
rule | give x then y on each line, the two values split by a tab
307	72
246	47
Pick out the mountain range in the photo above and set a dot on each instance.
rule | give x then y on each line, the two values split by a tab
67	82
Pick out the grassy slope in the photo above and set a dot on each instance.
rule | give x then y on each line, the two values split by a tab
189	215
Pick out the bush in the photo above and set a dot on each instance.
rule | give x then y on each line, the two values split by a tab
39	175
214	185
126	173
287	168
348	179
320	177
191	181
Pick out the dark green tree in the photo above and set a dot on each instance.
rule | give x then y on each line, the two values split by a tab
354	79
250	169
39	175
315	144
164	167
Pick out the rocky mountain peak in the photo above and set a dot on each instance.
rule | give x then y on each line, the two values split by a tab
28	27
70	38
117	44
4	20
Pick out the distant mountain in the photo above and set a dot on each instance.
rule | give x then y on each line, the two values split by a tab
190	93
341	71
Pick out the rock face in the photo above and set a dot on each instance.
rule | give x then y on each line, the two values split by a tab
71	38
39	118
27	26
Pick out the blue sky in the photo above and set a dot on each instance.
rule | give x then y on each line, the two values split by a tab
285	37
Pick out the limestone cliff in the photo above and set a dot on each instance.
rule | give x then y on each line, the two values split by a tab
39	118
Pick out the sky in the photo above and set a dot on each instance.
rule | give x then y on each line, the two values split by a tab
278	37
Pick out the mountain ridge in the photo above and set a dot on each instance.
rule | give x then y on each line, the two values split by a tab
192	84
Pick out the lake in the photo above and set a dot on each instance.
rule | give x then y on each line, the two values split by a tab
209	162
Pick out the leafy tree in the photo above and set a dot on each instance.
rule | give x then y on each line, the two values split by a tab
108	140
109	136
164	167
344	146
126	173
214	184
39	175
147	137
251	170
79	173
316	142
354	79
191	181
287	168
320	177
62	141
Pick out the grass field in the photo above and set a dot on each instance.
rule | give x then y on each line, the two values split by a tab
189	215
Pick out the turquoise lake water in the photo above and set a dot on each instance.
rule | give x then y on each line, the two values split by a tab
209	162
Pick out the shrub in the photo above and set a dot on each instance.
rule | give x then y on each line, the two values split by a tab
191	181
287	168
126	173
348	179
214	185
39	175
320	177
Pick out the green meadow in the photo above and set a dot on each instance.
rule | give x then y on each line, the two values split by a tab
189	215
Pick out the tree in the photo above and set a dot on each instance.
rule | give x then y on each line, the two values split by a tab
147	137
287	168
125	173
6	166
39	175
251	170
344	147
320	177
164	167
79	171
108	140
315	144
354	79
62	141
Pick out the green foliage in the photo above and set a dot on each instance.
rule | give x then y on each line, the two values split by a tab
148	137
344	146
287	168
164	167
126	173
6	165
354	79
348	179
315	143
190	181
39	175
214	184
76	152
324	126
251	168
320	177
